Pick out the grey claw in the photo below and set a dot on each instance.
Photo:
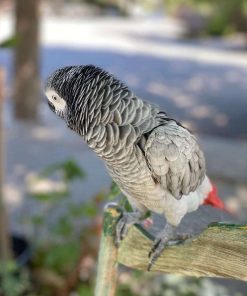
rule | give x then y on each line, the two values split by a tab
121	230
160	244
123	225
155	245
149	266
155	252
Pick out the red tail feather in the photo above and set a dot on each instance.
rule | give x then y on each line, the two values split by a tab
214	200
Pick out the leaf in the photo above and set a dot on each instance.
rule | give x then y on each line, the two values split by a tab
90	210
114	191
85	210
100	197
125	204
63	227
10	266
38	220
69	169
51	197
60	257
9	42
85	290
72	170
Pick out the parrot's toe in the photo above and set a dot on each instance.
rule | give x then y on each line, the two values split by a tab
121	230
162	240
156	251
123	225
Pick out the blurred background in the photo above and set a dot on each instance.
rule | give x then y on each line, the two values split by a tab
188	56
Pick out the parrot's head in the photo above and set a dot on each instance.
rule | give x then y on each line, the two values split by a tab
55	91
73	94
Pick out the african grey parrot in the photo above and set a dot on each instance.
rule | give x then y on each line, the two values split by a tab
156	162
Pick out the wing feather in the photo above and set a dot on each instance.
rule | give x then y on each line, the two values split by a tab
175	159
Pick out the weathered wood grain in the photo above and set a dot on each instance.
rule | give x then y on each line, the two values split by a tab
219	251
106	280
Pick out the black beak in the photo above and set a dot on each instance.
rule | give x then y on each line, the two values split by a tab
51	106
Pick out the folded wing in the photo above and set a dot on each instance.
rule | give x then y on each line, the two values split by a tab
175	159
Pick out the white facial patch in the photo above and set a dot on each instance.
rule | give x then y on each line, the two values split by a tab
58	103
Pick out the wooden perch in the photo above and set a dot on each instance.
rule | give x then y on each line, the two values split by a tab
219	251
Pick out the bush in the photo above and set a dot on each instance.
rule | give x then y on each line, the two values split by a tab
223	16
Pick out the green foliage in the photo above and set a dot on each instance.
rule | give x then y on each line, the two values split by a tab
68	172
38	220
61	248
114	191
223	16
227	16
124	203
85	290
51	197
69	169
88	210
58	257
65	227
14	281
9	42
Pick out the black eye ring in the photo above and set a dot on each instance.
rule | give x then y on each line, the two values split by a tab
54	98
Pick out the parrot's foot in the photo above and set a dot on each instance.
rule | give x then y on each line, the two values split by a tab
161	241
123	225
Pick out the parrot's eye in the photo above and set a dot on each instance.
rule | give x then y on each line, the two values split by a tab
59	104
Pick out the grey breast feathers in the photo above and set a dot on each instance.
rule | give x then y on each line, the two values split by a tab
175	159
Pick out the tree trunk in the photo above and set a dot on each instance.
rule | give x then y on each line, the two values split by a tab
26	75
5	249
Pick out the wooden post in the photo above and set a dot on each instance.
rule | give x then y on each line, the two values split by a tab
107	260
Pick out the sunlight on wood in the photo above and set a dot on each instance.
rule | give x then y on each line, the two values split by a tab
220	251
